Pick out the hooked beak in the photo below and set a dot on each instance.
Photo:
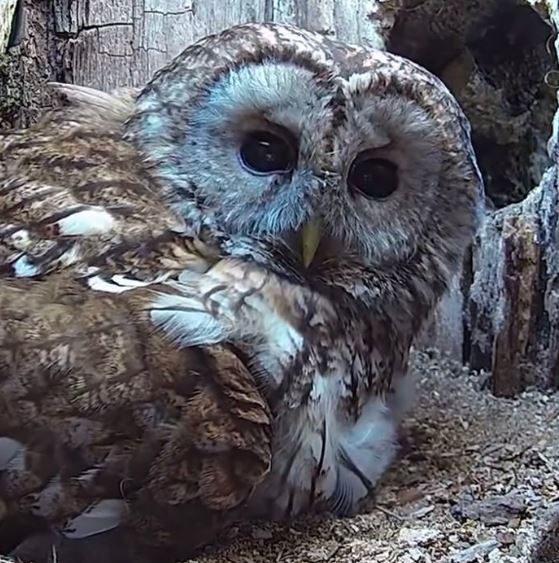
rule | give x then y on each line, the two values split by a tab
309	239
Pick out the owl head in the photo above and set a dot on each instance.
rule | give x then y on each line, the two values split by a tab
352	167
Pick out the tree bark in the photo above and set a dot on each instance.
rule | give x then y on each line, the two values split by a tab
513	301
502	313
7	12
25	66
107	44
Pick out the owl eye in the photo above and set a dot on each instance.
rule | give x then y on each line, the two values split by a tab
374	177
264	152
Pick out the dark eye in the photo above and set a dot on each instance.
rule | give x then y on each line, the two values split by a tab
265	152
374	177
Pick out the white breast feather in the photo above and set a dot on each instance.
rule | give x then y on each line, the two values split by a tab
370	443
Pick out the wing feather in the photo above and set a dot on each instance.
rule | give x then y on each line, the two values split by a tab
72	190
106	422
100	405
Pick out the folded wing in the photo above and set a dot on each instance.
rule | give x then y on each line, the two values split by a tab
109	428
105	423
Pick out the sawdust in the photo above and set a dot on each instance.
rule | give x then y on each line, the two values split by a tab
478	480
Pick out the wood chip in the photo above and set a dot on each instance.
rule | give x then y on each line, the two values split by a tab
472	554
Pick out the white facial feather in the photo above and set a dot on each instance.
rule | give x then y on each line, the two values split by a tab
273	86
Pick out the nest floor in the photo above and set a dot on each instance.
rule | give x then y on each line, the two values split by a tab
477	481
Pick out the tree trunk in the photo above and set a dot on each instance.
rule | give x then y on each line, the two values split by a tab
26	67
496	56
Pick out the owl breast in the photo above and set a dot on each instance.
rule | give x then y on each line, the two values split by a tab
323	457
337	400
332	372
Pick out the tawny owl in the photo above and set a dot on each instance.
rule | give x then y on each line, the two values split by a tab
226	269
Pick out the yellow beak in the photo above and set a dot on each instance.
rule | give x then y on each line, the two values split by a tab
309	237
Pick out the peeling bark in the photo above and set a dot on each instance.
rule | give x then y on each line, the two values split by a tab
513	306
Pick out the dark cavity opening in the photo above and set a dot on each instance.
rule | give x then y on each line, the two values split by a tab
496	57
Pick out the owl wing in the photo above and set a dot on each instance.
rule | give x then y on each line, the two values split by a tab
73	193
106	424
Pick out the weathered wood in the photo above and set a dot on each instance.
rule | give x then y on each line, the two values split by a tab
113	43
514	299
513	303
7	10
25	67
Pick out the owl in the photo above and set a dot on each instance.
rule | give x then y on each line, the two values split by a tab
210	287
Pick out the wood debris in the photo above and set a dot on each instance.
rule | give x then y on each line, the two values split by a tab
475	484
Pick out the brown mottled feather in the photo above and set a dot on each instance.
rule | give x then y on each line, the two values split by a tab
86	382
161	385
75	161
